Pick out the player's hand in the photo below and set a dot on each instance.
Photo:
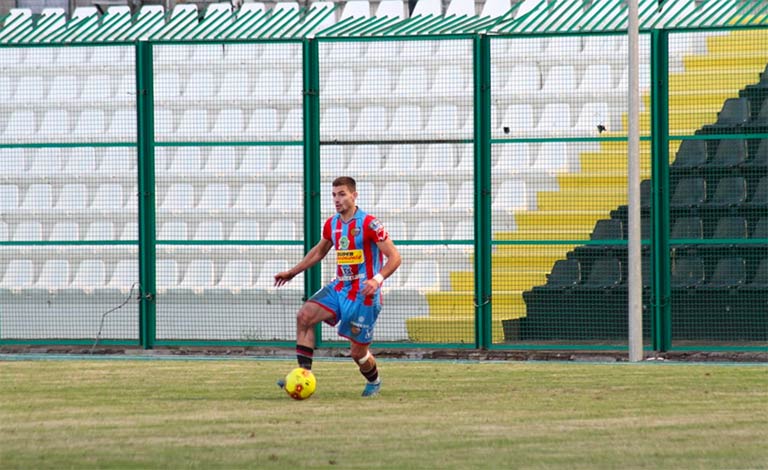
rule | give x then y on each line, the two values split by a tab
282	278
370	286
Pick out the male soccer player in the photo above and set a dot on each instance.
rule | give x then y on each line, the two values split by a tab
353	299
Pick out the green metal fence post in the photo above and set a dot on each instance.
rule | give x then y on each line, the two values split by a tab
482	200
661	334
146	165
312	221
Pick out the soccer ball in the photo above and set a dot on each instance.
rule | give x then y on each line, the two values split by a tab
300	383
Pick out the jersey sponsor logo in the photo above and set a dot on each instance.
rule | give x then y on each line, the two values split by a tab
344	242
346	257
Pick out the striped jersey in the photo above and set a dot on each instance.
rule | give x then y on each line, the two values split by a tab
357	256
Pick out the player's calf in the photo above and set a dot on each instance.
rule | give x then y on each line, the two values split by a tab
370	371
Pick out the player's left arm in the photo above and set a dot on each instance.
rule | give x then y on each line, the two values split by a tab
390	266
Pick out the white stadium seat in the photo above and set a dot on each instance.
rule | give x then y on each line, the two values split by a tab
377	81
65	231
356	9
19	274
22	124
256	160
511	159
39	197
390	8
54	275
263	124
199	275
209	230
90	125
221	161
245	229
427	7
495	8
45	162
335	123
109	198
73	197
176	230
238	274
511	196
424	275
167	273
125	274
178	197
461	8
91	274
407	122
14	162
215	197
252	197
365	161
435	197
556	118
228	125
9	197
29	231
401	160
282	229
395	197
130	231
413	81
372	123
100	230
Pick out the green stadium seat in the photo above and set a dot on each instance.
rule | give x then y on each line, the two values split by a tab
758	160
688	227
687	272
760	280
566	273
730	192
734	114
731	227
729	154
759	199
689	193
756	93
691	154
608	229
729	272
761	228
606	273
761	118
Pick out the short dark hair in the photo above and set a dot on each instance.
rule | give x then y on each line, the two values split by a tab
347	181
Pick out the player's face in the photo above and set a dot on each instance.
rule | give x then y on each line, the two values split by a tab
343	199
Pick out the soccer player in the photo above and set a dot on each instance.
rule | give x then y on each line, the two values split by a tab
353	299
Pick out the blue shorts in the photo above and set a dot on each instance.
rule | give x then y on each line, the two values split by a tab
354	319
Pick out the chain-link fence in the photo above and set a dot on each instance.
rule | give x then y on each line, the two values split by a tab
240	188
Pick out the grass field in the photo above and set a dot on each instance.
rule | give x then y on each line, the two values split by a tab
229	414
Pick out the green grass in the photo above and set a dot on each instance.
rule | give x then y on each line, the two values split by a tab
229	414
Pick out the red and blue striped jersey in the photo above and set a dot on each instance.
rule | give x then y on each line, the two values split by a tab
357	256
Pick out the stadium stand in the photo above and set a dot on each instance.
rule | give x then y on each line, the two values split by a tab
712	199
371	90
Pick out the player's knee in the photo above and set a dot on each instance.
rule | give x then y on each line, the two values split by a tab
358	352
305	318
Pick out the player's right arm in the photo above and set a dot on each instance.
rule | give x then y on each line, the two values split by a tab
315	255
